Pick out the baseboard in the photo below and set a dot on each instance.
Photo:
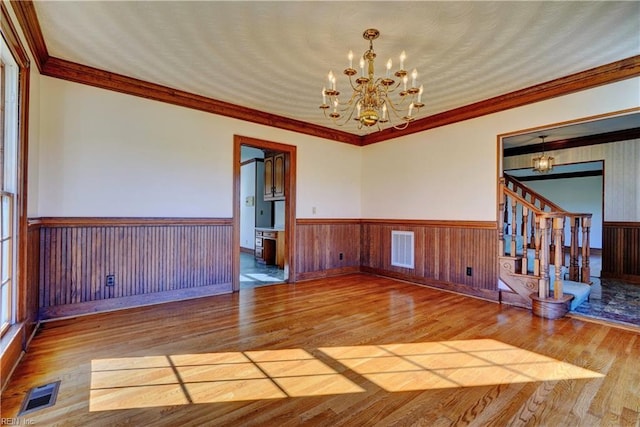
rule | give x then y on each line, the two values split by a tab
327	273
625	277
485	294
13	346
113	304
512	298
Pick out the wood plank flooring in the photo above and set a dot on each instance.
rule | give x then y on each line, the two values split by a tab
355	350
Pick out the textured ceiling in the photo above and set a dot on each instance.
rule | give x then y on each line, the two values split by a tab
274	56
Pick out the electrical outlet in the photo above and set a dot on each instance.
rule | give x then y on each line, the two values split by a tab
469	271
341	256
111	280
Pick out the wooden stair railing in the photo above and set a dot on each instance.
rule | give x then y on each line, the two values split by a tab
538	223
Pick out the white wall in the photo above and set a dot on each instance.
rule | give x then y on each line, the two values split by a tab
104	153
450	173
579	195
247	211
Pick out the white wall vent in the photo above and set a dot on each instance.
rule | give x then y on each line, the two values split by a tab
402	249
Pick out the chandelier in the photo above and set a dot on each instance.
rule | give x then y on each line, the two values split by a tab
542	163
370	102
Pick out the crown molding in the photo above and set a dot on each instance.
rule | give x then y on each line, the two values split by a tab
71	71
67	70
59	68
11	37
579	141
605	74
28	19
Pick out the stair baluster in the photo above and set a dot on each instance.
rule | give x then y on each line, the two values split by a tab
538	244
586	251
558	232
514	228
543	284
525	239
573	252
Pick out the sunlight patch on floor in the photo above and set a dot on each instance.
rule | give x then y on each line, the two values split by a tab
138	382
447	364
261	277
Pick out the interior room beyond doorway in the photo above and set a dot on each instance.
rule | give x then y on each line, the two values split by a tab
262	217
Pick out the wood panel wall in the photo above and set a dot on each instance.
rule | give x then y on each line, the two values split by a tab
320	243
621	250
145	256
32	277
444	250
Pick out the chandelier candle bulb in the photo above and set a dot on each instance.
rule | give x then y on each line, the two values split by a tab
324	96
410	109
420	94
414	76
384	112
362	66
350	56
403	56
405	79
389	65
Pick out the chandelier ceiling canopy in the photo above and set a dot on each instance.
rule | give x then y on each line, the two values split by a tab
373	100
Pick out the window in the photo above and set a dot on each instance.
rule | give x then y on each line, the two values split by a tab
8	184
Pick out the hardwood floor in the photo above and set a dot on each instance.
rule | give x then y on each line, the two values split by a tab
354	350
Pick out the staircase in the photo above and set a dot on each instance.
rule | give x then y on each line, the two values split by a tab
532	255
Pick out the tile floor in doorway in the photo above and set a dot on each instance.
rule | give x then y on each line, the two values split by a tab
253	274
613	300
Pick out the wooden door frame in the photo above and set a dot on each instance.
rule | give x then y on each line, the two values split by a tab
289	206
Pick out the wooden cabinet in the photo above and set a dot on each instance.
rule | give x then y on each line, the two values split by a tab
274	171
270	247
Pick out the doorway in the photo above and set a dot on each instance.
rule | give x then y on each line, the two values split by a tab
589	153
263	243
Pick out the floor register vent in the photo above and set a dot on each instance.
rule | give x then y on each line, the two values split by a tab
40	397
402	249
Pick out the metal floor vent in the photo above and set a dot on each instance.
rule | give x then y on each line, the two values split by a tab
40	397
402	249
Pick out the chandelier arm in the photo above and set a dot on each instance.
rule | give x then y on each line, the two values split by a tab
341	122
354	87
396	119
395	108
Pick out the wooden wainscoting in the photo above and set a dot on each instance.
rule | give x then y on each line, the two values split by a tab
621	250
443	251
151	260
32	277
320	243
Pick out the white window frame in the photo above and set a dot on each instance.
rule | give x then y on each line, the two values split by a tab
8	188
